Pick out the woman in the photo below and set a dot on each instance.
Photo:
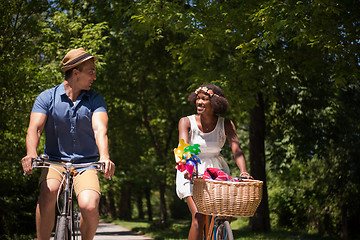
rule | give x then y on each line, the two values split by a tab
210	131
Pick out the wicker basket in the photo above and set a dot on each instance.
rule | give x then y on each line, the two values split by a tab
223	198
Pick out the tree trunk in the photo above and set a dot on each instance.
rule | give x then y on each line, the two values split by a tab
140	207
125	210
107	204
261	220
344	221
146	122
111	204
163	208
103	206
148	203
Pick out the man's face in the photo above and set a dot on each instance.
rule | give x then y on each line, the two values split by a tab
87	75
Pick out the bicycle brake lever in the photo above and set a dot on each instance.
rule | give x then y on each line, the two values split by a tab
44	157
34	162
101	166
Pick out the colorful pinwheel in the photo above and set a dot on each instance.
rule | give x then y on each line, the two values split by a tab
185	156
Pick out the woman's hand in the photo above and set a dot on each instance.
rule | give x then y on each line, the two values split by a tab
246	175
187	175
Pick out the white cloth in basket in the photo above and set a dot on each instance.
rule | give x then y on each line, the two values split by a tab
210	145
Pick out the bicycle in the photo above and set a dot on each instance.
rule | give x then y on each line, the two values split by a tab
218	228
221	200
67	224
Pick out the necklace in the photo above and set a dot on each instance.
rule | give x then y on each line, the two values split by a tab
207	128
208	125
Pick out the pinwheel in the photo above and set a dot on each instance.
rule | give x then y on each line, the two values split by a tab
186	156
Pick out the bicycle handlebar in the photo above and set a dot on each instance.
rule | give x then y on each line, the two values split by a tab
45	159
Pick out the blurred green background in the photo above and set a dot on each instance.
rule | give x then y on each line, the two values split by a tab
290	70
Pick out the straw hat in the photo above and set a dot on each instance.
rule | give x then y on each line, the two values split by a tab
74	58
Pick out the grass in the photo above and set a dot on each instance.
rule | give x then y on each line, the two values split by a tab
178	229
171	230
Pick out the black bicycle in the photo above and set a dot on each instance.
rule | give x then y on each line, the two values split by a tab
68	221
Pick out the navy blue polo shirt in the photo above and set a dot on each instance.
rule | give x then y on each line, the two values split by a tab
69	135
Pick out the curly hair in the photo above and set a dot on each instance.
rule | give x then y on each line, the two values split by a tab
217	101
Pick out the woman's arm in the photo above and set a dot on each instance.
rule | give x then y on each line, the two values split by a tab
184	128
233	140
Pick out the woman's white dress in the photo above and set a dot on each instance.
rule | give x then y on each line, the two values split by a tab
210	145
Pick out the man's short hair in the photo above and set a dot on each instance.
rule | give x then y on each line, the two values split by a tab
69	72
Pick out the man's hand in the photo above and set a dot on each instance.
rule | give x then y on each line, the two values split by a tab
109	168
26	164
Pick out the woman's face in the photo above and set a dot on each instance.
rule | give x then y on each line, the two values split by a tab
203	105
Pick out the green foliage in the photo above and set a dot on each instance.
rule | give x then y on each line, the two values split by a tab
308	138
19	29
25	72
301	55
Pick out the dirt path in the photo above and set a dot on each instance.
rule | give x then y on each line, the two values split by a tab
107	231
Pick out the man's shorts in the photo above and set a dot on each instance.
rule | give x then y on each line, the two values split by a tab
86	180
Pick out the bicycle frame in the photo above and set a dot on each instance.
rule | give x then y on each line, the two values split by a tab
209	226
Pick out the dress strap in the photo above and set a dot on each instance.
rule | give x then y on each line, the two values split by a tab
221	123
193	123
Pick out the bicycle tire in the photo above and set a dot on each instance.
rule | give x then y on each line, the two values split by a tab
62	231
224	232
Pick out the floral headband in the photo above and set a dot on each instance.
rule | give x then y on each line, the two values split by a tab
205	90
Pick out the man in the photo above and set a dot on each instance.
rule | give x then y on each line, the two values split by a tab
75	121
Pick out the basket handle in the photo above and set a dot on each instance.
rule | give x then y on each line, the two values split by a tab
196	171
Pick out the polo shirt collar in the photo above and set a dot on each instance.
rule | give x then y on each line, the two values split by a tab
62	89
63	92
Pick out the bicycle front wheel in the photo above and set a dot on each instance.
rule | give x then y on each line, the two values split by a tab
62	229
224	232
76	224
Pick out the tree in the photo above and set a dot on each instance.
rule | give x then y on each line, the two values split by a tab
20	27
25	72
289	69
302	115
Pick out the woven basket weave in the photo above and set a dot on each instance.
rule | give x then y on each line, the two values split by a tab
223	198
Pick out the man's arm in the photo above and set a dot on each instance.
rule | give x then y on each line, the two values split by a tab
36	126
99	124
